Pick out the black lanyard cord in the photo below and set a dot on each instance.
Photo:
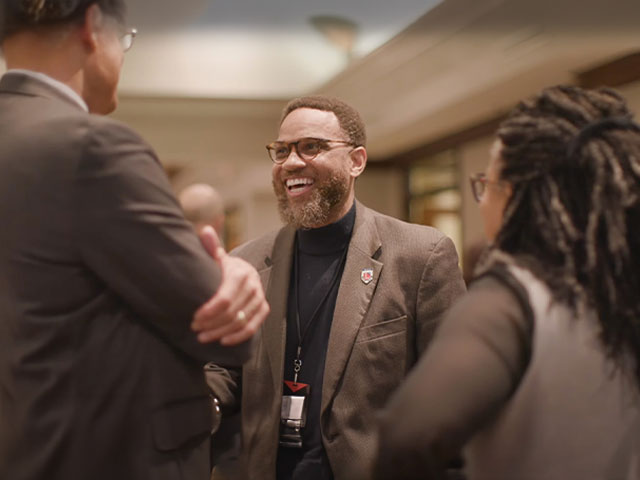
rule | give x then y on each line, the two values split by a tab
302	334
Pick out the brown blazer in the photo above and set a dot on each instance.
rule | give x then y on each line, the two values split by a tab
100	373
379	329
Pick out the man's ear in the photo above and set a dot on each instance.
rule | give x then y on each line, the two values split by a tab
93	19
358	161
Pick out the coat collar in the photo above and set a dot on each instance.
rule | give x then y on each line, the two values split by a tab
275	277
25	84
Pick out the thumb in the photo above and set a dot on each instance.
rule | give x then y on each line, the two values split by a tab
210	241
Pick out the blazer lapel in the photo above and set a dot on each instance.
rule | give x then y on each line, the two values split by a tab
277	277
354	296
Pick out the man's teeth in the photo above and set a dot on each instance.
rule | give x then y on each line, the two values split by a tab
298	182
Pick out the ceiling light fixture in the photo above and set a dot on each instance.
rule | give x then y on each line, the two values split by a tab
339	31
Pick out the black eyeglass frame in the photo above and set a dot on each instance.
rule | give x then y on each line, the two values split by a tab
479	182
272	147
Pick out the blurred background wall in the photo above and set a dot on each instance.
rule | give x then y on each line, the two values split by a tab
206	81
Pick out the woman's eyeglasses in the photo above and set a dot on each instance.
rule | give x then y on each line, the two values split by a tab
479	183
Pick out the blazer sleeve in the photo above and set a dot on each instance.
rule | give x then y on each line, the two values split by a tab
132	235
441	284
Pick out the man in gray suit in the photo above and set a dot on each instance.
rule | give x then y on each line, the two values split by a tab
107	305
355	297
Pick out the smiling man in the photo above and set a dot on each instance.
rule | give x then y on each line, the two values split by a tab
355	296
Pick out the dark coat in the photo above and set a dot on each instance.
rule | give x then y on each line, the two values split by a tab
100	374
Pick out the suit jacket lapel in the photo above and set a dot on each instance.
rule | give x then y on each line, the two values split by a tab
277	291
354	296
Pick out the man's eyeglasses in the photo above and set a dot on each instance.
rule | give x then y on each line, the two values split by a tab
126	40
479	182
306	148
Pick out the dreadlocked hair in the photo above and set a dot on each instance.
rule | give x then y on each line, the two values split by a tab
572	157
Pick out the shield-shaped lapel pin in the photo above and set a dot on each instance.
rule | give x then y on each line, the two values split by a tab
366	276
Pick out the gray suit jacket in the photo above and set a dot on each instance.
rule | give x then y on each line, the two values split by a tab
100	374
379	329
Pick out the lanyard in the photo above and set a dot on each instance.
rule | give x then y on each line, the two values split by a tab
297	362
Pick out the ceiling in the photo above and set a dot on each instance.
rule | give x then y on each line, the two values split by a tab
463	63
250	48
467	62
434	67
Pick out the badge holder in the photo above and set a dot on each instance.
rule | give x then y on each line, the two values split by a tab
293	414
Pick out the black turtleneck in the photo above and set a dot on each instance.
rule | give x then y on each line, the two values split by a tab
320	258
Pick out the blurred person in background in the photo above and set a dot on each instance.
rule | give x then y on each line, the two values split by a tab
202	206
107	305
355	297
535	372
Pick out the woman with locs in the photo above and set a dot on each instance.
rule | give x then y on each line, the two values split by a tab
535	373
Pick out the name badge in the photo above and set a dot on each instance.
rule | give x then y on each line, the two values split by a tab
293	413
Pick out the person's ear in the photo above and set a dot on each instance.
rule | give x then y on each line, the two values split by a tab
508	189
93	19
358	161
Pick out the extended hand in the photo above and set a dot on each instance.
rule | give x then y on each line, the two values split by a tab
238	308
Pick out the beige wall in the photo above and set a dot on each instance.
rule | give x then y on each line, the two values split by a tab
382	190
222	143
219	142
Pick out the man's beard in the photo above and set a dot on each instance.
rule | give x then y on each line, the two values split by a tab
325	200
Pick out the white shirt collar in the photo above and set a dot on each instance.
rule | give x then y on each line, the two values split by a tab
61	87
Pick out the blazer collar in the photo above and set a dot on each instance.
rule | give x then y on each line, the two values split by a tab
22	84
275	277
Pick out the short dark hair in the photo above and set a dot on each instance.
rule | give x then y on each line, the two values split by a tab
19	15
348	117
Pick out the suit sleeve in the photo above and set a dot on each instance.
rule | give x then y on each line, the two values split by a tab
132	235
475	362
226	384
441	285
